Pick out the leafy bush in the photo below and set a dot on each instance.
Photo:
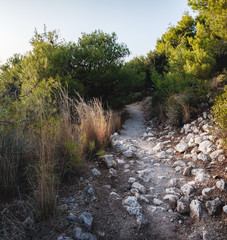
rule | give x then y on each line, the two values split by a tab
219	111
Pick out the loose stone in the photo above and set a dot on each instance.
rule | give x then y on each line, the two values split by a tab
108	160
96	172
213	207
157	202
181	147
206	192
221	185
72	218
86	219
225	209
187	189
139	186
132	206
131	180
183	205
195	209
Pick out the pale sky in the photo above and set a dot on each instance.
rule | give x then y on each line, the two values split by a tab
137	23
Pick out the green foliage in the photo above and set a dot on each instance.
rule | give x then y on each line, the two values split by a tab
98	58
190	54
214	13
73	153
219	111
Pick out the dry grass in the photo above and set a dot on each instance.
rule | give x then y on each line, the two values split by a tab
185	112
8	173
95	124
46	178
178	110
57	141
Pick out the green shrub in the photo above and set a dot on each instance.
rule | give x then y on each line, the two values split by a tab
219	111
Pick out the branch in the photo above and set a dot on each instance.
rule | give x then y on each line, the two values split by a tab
31	88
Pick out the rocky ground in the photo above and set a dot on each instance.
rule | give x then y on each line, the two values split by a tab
156	183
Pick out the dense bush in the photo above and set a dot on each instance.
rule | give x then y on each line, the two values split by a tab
219	111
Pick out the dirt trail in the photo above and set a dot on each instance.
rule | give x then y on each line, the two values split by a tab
153	175
143	194
143	189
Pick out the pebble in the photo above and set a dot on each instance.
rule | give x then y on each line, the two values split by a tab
80	235
225	209
113	172
181	147
141	220
214	206
203	157
128	153
108	160
139	186
131	180
96	172
71	217
195	209
90	194
157	202
183	205
64	238
187	171
86	220
173	182
132	206
221	185
187	189
206	192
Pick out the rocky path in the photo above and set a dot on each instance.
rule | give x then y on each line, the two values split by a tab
156	183
151	180
170	193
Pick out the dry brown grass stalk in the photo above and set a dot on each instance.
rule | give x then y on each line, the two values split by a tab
95	123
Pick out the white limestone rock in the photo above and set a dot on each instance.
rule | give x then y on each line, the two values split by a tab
203	157
206	146
157	202
179	163
108	160
225	209
161	155
187	189
96	172
181	147
128	153
221	185
195	209
207	192
202	177
140	187
131	180
221	158
131	205
158	147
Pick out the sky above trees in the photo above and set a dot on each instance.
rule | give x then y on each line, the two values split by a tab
136	23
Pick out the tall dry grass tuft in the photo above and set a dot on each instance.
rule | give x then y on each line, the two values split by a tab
58	137
69	144
185	112
12	152
95	124
46	179
8	173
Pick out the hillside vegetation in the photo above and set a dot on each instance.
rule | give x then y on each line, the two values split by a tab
54	100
